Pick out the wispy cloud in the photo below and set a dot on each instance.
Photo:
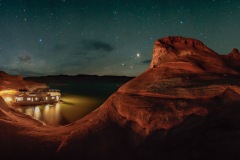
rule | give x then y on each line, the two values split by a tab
95	45
148	61
25	58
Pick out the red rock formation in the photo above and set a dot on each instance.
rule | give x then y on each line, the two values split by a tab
179	51
16	82
185	106
234	54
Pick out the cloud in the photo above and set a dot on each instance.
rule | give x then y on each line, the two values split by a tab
95	45
148	61
90	50
25	58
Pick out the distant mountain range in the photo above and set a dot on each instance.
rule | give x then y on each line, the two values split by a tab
78	78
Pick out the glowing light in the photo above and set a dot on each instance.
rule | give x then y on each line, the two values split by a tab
51	114
29	111
8	99
46	114
9	91
37	113
57	107
138	55
19	98
47	108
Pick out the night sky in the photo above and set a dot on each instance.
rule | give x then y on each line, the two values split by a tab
106	37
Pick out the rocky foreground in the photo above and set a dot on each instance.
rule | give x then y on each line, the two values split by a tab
185	106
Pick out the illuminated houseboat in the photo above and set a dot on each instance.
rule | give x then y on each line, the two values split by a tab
36	97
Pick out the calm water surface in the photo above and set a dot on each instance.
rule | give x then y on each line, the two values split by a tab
78	99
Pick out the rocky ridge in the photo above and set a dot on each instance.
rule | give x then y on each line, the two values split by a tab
16	82
185	106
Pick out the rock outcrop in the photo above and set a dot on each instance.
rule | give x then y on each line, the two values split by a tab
185	106
234	54
16	82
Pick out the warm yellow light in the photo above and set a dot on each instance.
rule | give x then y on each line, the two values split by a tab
7	95
37	113
8	99
9	91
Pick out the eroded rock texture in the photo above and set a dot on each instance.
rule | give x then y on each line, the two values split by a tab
185	106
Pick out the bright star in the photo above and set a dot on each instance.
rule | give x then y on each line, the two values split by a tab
138	55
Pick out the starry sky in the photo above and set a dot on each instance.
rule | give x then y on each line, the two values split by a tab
106	37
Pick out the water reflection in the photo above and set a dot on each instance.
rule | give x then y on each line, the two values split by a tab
37	113
70	109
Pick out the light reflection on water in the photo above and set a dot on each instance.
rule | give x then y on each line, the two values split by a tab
70	109
78	99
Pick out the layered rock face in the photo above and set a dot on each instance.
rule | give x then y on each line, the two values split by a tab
185	83
185	77
185	106
16	82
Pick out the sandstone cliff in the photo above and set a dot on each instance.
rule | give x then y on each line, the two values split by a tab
16	82
185	106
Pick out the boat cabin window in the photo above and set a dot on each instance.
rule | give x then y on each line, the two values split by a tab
19	98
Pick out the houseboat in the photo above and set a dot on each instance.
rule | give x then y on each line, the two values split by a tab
37	97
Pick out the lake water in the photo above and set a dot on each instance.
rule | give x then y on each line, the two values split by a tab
78	99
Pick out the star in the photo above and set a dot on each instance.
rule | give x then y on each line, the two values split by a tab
138	55
106	34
